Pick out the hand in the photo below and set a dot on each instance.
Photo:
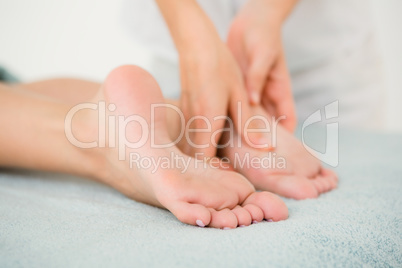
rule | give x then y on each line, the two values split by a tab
211	80
212	87
255	41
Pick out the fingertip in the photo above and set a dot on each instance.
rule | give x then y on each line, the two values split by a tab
255	97
290	125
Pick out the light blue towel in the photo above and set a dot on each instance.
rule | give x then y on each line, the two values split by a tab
49	220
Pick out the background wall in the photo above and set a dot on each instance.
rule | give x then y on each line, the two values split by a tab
388	19
47	38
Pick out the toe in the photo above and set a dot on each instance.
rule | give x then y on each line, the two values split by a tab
243	216
319	185
257	215
331	182
331	175
272	206
327	186
224	219
323	184
291	186
325	181
194	214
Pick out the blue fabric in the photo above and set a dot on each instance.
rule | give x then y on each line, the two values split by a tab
49	220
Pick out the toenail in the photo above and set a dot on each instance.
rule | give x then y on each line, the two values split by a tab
226	228
200	223
254	221
242	225
270	220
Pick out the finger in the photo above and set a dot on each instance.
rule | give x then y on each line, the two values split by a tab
183	145
268	105
252	127
206	131
260	64
202	129
199	137
238	50
278	92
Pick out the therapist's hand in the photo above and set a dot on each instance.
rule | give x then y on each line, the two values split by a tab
211	80
212	86
255	41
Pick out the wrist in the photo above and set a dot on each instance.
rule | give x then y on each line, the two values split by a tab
189	26
271	12
279	10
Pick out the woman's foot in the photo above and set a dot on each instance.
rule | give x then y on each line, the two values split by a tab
196	193
288	169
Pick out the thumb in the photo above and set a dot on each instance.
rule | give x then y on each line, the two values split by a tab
257	75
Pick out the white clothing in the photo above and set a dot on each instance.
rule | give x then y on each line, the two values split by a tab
330	48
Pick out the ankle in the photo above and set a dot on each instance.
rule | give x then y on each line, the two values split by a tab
83	136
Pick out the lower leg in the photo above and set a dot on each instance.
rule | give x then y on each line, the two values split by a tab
68	90
202	196
303	181
76	91
33	136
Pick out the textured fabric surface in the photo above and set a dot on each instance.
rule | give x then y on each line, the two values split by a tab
49	220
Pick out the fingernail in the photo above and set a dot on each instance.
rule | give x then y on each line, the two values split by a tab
242	225
254	221
255	97
226	228
270	220
200	223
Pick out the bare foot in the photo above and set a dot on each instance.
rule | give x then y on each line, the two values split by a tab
200	194
288	169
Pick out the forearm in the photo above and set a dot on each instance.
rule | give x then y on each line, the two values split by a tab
189	26
278	10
